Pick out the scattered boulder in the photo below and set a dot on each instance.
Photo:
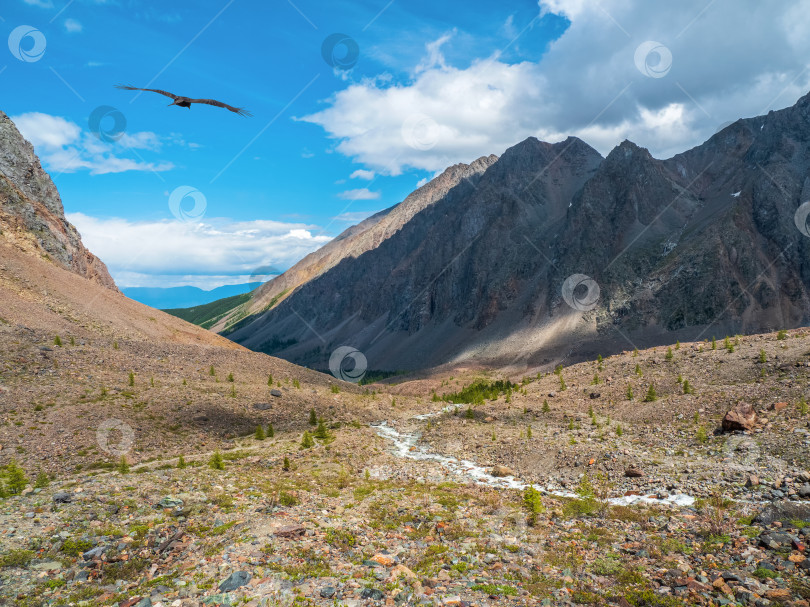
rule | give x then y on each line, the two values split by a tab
783	512
752	481
291	531
236	580
804	490
275	392
633	472
741	417
170	502
501	471
62	497
262	406
373	594
777	406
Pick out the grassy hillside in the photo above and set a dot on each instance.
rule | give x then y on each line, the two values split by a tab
206	315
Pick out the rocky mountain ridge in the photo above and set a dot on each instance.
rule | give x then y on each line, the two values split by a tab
31	213
699	244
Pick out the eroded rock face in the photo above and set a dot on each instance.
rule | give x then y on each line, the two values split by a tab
741	417
31	211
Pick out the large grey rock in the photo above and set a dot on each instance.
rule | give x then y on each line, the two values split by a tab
236	580
783	512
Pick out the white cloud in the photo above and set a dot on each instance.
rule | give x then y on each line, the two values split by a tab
65	148
729	60
145	253
359	194
362	174
39	3
73	26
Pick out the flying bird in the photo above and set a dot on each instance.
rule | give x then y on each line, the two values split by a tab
186	101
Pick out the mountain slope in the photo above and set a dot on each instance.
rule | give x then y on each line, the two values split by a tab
77	356
703	243
31	212
354	241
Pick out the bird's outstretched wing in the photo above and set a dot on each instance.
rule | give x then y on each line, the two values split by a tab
135	88
236	110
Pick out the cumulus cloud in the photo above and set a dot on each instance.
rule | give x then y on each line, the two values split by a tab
167	253
362	174
729	60
64	147
359	194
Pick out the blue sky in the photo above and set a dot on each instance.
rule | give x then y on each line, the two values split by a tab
433	84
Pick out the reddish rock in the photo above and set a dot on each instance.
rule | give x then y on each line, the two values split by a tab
778	406
633	472
741	417
291	531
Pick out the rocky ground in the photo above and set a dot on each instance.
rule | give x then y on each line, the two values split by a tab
348	521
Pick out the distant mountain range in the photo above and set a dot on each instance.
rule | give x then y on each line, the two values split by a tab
553	252
183	297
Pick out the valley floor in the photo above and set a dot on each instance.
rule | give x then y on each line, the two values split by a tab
349	521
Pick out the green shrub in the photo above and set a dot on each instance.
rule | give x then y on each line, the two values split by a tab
629	392
211	371
73	547
131	381
16	480
479	391
286	465
123	466
762	357
57	341
217	462
259	434
651	394
181	462
669	355
306	440
296	383
546	408
230	377
16	558
781	335
533	504
269	380
313	418
271	432
42	480
335	389
321	432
